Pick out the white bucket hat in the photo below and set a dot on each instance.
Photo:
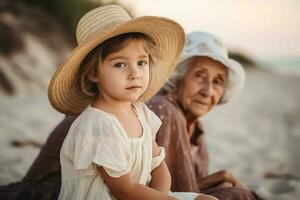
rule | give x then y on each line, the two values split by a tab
205	44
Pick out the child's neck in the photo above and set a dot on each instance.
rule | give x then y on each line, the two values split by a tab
115	107
124	113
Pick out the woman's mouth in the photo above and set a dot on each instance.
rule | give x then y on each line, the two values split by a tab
200	102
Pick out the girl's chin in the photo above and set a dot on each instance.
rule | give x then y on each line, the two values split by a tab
131	99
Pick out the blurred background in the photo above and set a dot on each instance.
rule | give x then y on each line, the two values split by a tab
257	136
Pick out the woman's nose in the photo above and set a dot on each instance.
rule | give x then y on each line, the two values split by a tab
206	89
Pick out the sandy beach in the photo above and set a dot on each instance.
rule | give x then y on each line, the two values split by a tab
257	136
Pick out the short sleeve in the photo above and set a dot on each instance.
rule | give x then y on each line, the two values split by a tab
152	120
100	142
156	161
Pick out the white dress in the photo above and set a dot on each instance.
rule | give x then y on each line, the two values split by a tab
97	138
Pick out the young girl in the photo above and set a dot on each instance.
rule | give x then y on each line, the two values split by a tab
110	152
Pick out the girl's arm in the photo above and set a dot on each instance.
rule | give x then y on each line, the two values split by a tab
125	188
161	178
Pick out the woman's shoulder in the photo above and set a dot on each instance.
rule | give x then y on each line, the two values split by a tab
160	104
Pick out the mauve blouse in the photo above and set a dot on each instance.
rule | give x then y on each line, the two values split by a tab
186	158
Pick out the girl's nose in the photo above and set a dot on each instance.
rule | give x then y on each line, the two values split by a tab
133	73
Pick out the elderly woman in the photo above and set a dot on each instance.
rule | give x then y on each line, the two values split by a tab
204	77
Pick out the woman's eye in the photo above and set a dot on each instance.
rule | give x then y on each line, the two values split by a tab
142	63
119	65
200	75
219	81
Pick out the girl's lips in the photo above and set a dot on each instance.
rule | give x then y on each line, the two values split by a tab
134	87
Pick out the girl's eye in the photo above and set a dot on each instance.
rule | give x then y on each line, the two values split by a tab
142	63
120	65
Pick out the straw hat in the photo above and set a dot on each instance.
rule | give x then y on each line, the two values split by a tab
101	24
205	44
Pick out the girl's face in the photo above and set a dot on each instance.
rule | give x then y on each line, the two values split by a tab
124	75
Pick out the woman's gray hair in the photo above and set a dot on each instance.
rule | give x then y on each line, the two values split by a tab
180	70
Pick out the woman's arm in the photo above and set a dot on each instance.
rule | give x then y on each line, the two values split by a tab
222	179
125	188
173	136
219	179
161	178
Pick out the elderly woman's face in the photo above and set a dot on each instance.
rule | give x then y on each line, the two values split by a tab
202	86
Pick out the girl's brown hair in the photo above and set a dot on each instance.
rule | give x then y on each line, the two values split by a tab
98	54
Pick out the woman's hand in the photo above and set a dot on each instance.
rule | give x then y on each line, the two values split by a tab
205	197
229	178
219	179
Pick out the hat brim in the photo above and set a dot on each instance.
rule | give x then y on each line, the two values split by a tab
169	39
236	74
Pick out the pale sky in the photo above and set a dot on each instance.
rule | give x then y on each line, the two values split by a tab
260	28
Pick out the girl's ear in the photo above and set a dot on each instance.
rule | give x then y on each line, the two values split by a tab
93	78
